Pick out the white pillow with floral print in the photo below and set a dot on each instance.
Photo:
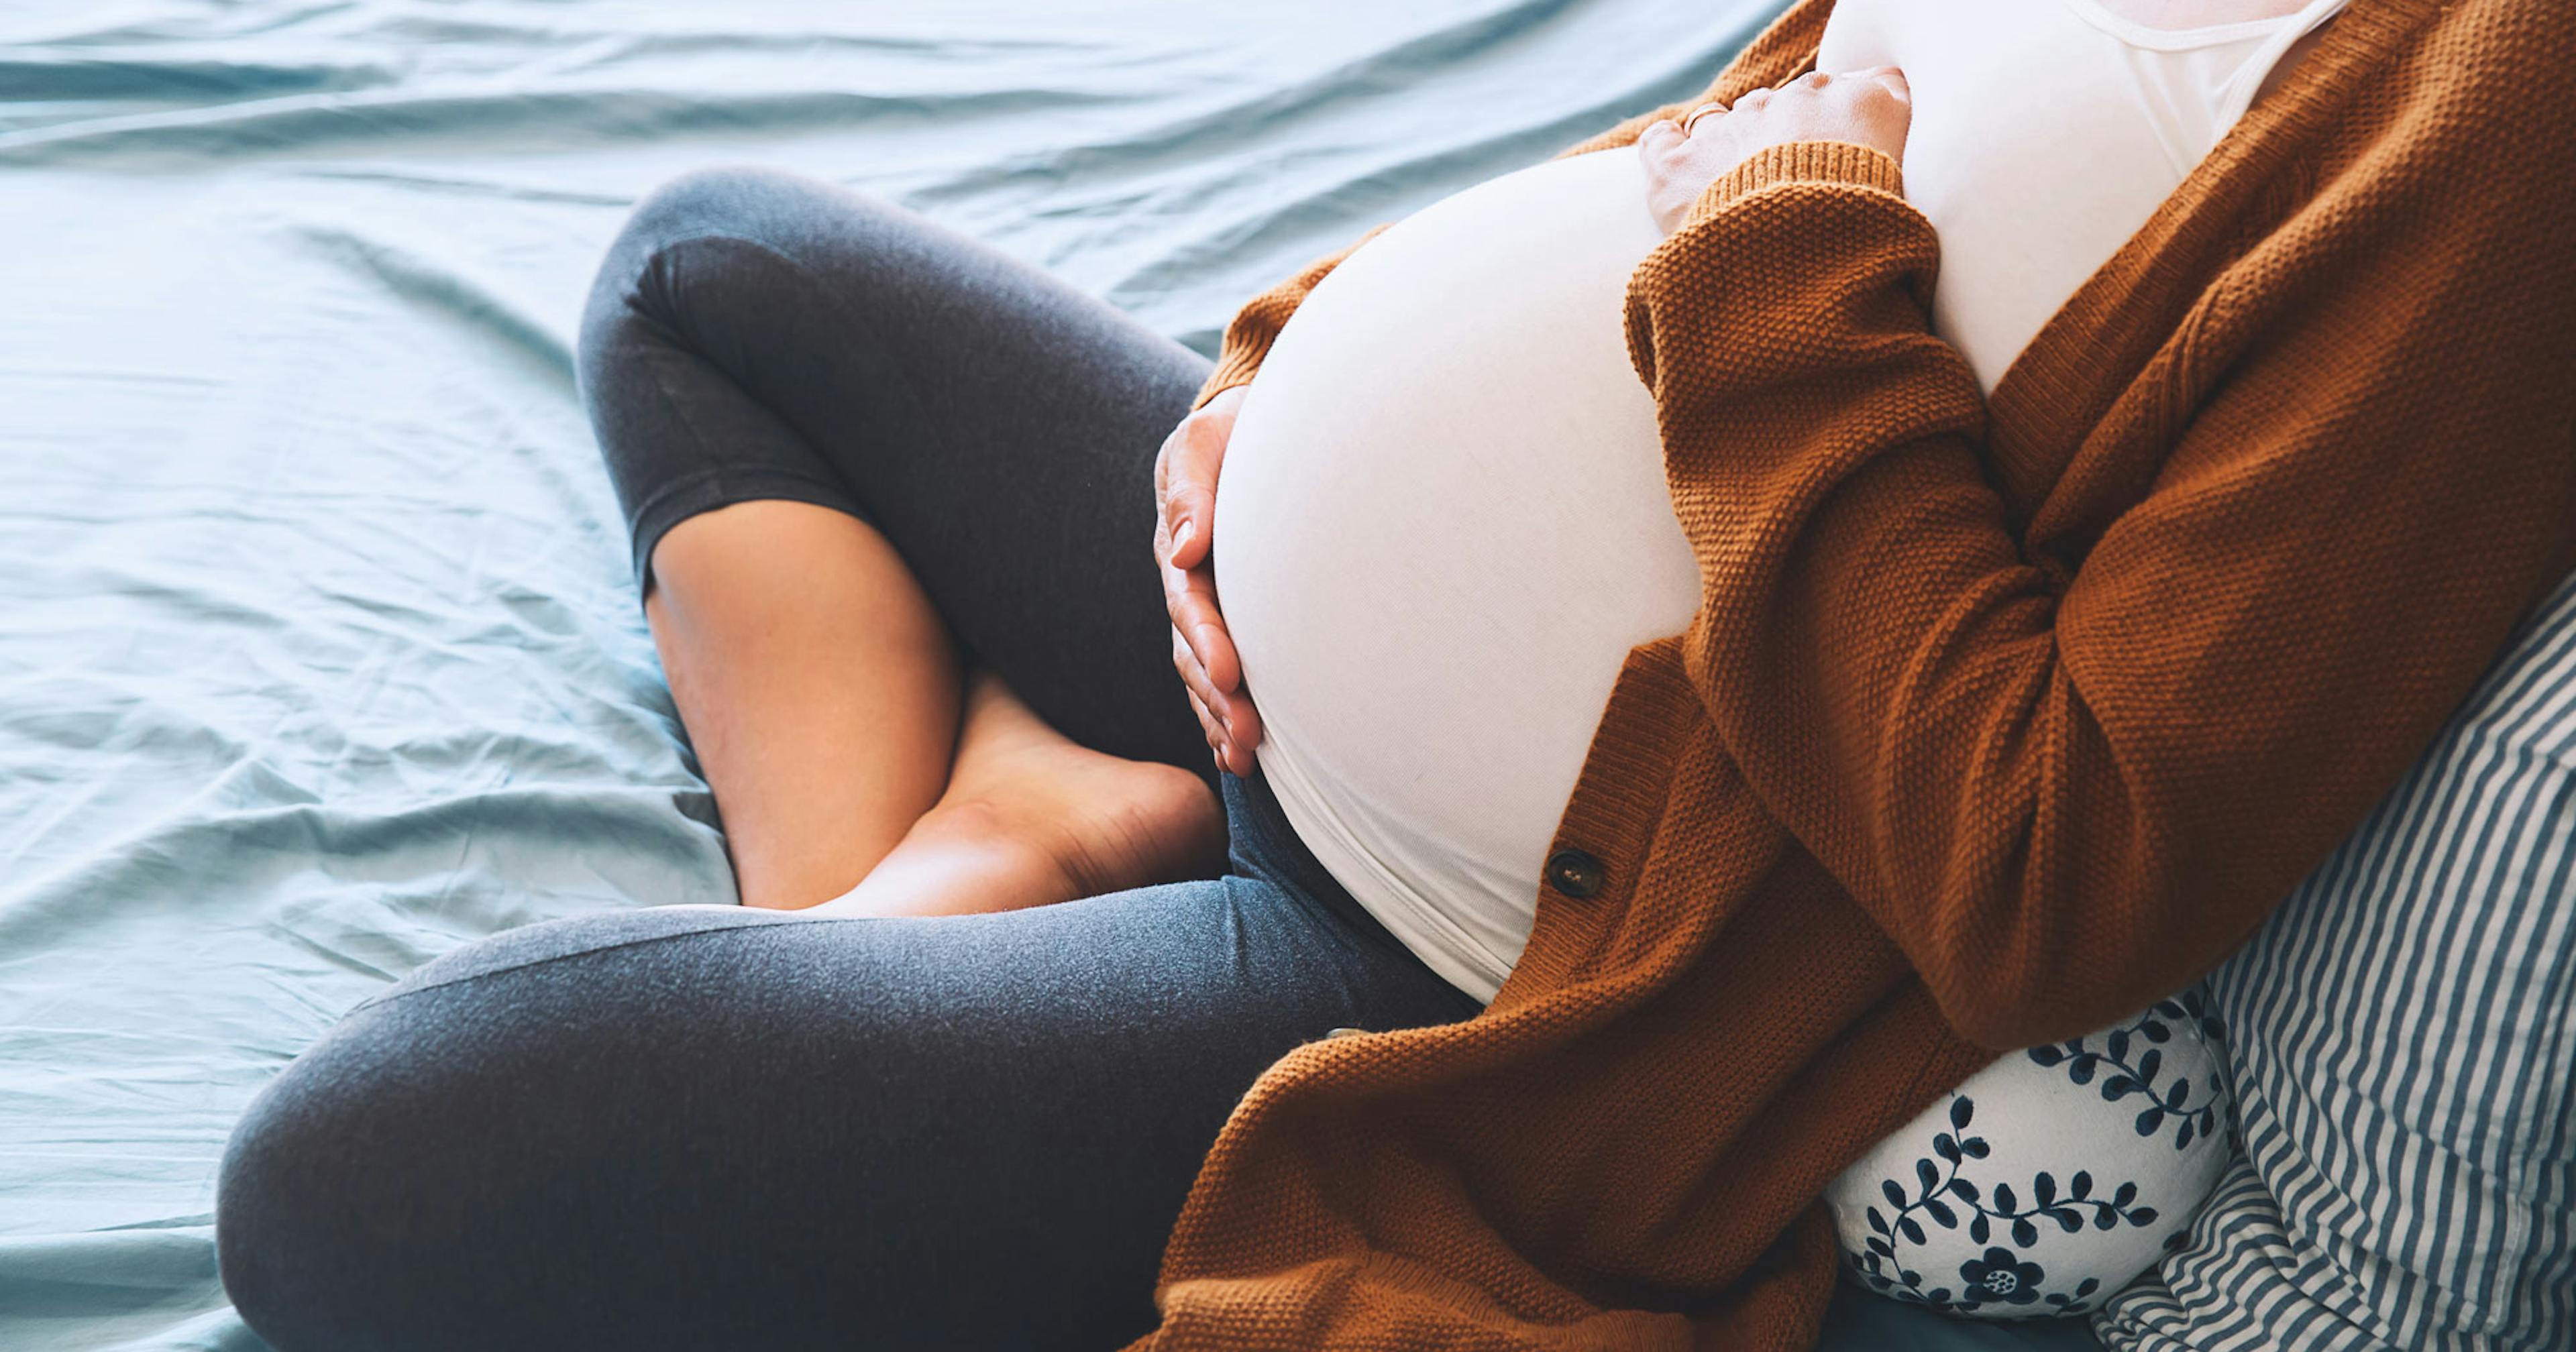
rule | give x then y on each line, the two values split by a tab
2049	1179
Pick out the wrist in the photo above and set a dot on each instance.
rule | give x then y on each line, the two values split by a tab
1844	163
1228	377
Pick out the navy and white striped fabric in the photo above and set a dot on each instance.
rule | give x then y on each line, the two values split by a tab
2402	1036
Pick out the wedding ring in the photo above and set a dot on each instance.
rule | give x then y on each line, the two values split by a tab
1699	112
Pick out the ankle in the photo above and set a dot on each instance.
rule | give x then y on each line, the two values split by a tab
965	855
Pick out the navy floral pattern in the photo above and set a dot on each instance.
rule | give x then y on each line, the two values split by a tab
2145	1036
1998	1276
2041	1209
1949	1201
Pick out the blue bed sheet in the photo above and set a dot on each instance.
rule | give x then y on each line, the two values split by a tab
318	651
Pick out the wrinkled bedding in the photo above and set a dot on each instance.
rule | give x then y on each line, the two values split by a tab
318	651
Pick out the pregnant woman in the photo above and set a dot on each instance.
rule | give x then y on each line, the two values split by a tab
1911	553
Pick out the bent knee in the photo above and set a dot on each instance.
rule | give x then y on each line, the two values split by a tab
719	202
709	250
319	1184
386	1172
490	1153
725	198
777	212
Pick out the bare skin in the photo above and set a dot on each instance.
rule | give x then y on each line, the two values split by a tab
1031	818
849	755
1185	473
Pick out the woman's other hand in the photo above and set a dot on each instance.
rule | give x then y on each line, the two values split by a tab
1865	107
1185	473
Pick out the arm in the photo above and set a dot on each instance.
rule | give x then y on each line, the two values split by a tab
2069	767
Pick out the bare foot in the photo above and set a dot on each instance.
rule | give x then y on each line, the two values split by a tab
1030	818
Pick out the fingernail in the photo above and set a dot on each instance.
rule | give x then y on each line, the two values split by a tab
1181	534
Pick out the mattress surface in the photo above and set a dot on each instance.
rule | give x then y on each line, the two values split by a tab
319	654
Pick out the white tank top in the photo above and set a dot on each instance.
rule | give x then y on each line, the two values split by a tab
1443	520
2045	133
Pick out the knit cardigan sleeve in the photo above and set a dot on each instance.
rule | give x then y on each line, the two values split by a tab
2068	782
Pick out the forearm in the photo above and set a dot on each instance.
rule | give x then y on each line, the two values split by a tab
2067	780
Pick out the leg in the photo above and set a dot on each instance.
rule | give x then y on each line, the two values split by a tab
1030	817
854	447
818	685
728	1128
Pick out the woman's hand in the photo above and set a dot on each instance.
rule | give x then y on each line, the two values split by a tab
1865	107
1185	473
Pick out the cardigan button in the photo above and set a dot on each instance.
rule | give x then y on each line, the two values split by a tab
1575	873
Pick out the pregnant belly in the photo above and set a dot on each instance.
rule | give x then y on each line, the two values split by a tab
1443	523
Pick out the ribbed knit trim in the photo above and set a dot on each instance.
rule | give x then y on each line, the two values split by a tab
1617	802
1237	368
1842	162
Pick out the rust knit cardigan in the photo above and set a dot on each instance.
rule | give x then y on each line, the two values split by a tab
1998	720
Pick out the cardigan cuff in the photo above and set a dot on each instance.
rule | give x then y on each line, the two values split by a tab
1827	162
1235	367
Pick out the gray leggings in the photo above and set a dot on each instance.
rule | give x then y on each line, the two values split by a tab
708	1129
697	1129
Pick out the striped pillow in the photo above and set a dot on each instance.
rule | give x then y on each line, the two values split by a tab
2402	1037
